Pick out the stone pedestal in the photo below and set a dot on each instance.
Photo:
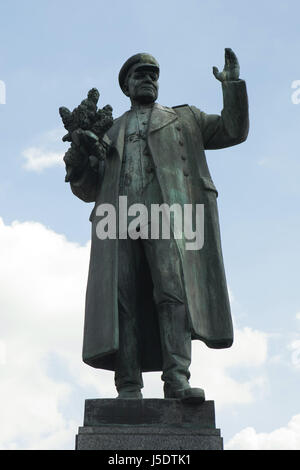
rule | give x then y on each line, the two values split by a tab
148	424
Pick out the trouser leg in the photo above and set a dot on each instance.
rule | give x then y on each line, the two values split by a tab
128	377
174	325
175	335
176	346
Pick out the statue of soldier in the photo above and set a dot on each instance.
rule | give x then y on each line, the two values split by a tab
148	298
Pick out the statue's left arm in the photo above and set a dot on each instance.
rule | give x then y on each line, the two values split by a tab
231	127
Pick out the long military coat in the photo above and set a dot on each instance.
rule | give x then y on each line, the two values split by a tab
177	138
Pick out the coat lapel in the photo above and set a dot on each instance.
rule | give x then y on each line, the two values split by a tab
161	117
116	134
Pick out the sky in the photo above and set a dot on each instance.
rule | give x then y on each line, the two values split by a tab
51	54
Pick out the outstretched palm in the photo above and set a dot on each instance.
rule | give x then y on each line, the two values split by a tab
231	69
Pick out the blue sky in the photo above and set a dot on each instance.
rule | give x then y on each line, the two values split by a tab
51	54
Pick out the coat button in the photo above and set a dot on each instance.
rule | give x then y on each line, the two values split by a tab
180	142
178	128
186	173
183	157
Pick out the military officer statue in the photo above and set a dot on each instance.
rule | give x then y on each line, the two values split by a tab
147	298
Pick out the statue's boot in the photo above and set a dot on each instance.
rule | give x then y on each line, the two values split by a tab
176	352
128	376
128	380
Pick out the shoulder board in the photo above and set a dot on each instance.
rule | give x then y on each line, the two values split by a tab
180	105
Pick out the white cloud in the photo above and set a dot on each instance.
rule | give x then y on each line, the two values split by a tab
285	438
214	367
43	278
38	159
294	346
47	151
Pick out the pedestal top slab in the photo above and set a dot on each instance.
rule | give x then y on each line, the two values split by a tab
162	412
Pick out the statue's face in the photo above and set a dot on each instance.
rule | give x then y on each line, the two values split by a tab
142	85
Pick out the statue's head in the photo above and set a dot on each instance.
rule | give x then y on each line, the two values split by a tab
138	78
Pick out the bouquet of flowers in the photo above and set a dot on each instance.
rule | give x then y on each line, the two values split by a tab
86	126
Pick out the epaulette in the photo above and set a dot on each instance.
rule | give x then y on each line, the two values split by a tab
180	105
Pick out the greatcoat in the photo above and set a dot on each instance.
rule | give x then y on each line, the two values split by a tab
176	139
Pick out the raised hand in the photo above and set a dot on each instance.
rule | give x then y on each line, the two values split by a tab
231	69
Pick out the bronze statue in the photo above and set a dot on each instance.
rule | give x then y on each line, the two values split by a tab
147	298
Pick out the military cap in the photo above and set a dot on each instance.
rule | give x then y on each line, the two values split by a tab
138	60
